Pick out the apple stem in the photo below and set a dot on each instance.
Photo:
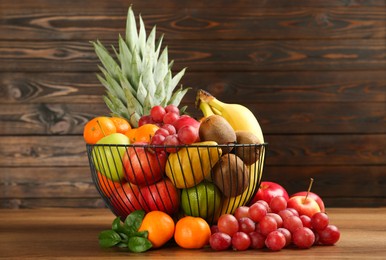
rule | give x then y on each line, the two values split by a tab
100	126
309	187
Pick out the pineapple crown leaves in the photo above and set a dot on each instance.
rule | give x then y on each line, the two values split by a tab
139	76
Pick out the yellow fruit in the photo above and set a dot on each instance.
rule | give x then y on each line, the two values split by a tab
191	165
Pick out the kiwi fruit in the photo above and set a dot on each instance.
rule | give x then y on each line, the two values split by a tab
216	128
230	175
249	153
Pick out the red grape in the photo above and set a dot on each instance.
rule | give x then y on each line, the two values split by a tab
306	220
170	128
275	241
157	113
257	211
287	235
145	120
329	236
171	140
303	237
220	241
294	211
292	223
241	211
170	117
267	224
265	204
228	224
285	214
214	229
246	225
278	203
277	217
319	221
162	131
257	240
172	108
240	241
188	134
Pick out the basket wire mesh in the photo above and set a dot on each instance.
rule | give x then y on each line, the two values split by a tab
185	182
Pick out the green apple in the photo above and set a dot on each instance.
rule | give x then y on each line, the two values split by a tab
108	158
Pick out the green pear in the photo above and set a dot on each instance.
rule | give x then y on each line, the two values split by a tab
108	157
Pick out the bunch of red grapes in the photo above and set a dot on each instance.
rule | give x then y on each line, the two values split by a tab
175	129
272	226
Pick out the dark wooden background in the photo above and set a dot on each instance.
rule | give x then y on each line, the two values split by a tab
313	72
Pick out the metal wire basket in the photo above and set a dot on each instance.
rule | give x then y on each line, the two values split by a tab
196	180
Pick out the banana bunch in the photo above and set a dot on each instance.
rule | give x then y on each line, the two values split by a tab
238	116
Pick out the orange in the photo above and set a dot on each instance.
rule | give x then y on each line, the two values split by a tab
121	124
160	227
192	232
97	128
106	185
142	134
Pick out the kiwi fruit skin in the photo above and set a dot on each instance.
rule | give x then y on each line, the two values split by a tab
249	153
230	175
216	128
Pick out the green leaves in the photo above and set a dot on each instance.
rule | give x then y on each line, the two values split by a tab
126	235
139	75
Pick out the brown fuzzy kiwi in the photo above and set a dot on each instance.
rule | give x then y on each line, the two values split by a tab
248	153
216	128
231	175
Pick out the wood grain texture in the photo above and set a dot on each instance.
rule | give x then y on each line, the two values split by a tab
265	55
237	86
79	228
313	72
234	22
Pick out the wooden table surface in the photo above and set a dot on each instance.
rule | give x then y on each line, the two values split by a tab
72	234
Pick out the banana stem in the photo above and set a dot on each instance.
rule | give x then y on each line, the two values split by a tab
215	104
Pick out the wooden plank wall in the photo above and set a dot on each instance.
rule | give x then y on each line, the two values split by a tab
313	72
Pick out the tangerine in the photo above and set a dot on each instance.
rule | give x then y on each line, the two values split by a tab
97	128
160	227
121	124
192	232
143	133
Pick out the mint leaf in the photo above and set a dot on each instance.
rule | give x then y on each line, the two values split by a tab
134	220
139	244
109	238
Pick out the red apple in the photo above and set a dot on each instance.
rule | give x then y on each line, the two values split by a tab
268	190
313	196
124	200
304	205
144	166
162	196
186	120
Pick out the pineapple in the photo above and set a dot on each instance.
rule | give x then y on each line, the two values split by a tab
140	76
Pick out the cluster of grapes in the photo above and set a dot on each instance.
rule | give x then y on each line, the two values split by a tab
273	226
175	129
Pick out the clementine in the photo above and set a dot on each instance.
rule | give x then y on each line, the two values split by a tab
97	128
121	124
192	232
160	227
143	133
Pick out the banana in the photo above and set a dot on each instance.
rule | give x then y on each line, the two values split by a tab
238	116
